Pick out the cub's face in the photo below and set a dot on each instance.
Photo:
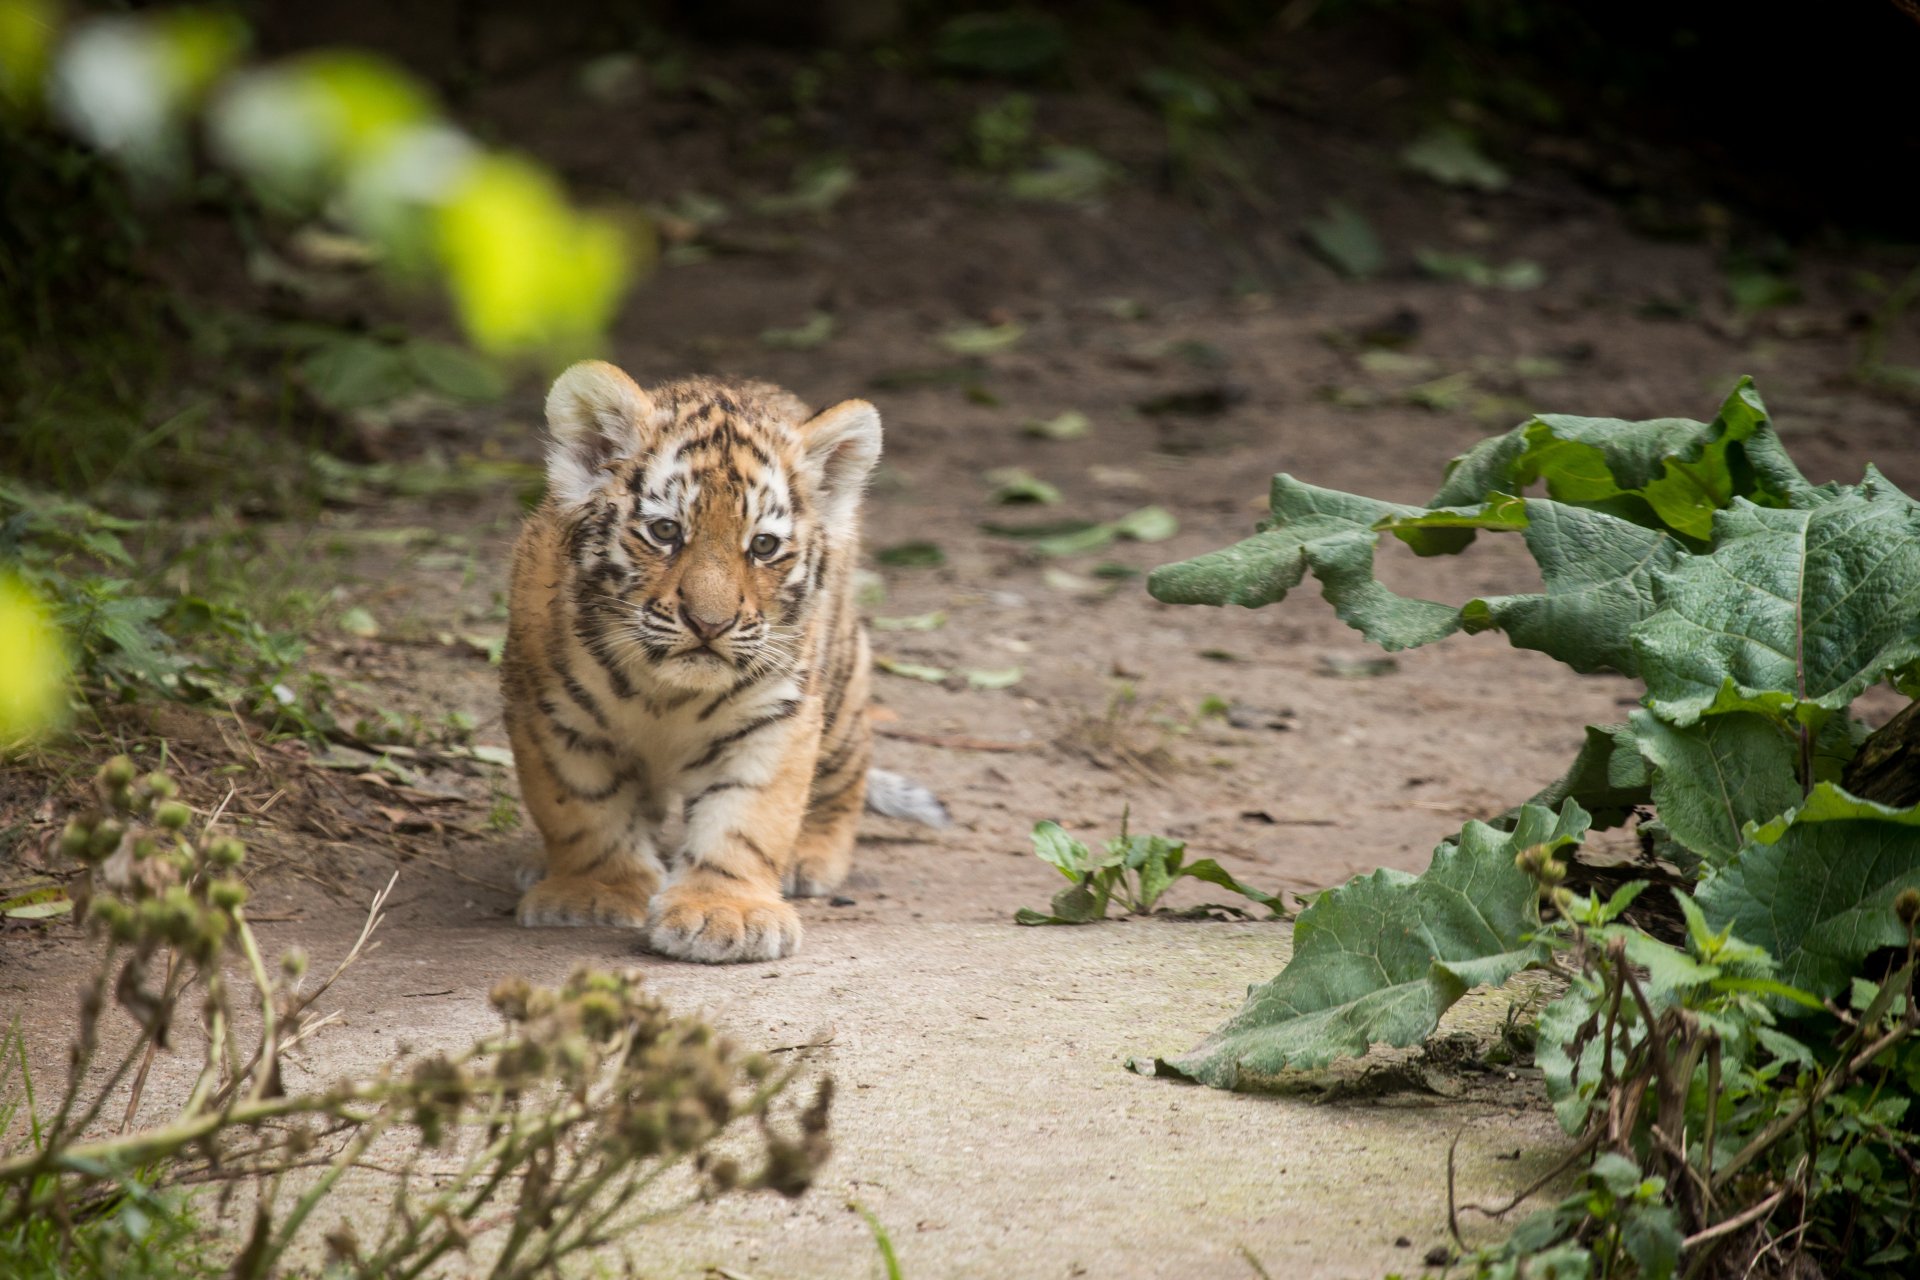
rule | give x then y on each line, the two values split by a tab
701	519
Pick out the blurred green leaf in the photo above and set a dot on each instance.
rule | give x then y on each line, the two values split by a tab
455	371
910	670
1070	425
812	332
1065	175
527	272
1000	44
912	622
352	373
982	340
1449	156
1346	242
817	187
1013	486
1518	275
917	554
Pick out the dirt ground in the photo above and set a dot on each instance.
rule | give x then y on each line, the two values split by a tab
984	1113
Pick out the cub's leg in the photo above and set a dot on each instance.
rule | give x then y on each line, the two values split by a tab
824	853
597	817
743	815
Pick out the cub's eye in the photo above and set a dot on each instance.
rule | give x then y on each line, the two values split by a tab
764	545
665	530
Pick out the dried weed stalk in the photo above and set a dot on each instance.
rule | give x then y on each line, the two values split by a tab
534	1143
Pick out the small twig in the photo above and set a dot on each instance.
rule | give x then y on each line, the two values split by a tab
146	1060
811	1044
1582	1150
1745	1217
1453	1217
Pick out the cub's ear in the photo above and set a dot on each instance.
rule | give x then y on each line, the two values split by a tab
842	444
596	415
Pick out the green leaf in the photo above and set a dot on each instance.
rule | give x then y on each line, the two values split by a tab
911	622
1333	535
1382	957
1158	868
1448	156
1345	240
982	340
1213	873
1079	904
1816	886
910	670
1651	1234
1608	778
1665	472
1068	425
352	373
1518	275
1147	524
814	331
918	554
1599	572
1065	175
1794	614
1712	778
1439	531
1000	44
1061	851
1571	1049
1013	486
455	371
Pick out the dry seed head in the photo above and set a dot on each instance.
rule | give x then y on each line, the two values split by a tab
600	1014
117	772
106	837
75	837
1906	905
724	1174
510	997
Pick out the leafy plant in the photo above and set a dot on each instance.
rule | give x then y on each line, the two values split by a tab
583	1100
1134	871
127	640
1001	132
1755	606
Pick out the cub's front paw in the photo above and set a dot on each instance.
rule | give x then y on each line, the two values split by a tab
578	901
721	926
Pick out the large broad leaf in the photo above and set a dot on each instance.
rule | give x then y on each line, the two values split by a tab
1599	573
1794	614
1608	779
1816	886
1671	473
1712	778
1379	959
1325	531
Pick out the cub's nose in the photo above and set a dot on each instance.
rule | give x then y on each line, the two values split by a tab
707	628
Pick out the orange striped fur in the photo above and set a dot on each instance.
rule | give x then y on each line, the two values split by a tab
685	671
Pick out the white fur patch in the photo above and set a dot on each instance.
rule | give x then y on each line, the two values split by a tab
892	796
595	416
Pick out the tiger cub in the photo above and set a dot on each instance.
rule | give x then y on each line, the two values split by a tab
685	671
